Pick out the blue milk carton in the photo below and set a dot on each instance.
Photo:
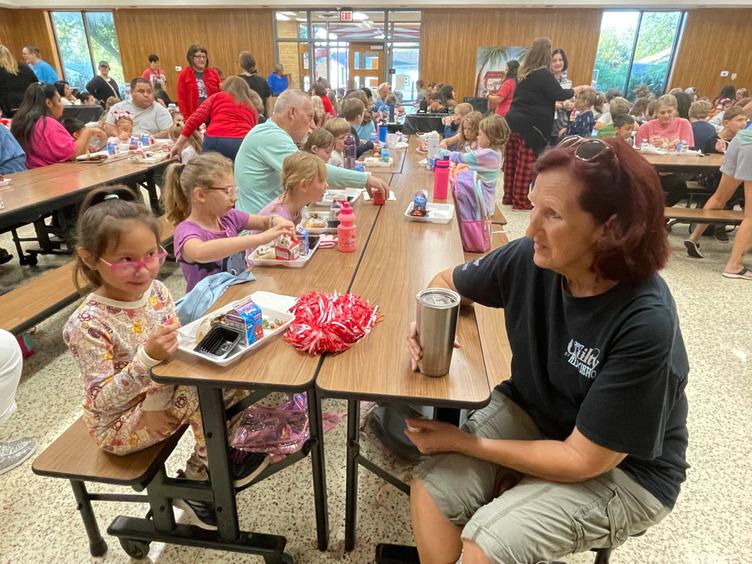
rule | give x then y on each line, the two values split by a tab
248	319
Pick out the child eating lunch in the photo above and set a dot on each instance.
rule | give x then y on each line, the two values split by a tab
320	143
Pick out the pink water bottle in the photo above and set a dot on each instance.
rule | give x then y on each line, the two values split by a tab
346	242
441	180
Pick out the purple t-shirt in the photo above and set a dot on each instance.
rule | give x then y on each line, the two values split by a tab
232	224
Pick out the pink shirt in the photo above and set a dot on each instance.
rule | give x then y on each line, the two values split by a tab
50	144
677	129
276	207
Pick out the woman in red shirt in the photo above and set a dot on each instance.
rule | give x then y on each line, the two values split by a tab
320	90
506	92
231	114
197	81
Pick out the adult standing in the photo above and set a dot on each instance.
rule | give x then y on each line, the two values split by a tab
197	81
148	116
563	109
43	70
155	74
277	80
585	445
503	98
231	115
103	85
14	80
37	129
254	81
258	163
531	120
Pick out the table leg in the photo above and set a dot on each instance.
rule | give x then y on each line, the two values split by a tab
151	188
351	487
215	431
448	415
318	467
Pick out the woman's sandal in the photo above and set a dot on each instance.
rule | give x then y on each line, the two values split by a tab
744	274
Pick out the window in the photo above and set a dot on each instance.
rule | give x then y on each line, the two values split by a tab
636	48
84	39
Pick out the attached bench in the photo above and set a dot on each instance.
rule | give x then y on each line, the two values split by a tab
694	215
48	293
75	456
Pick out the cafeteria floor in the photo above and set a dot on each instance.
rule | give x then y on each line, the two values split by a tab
712	522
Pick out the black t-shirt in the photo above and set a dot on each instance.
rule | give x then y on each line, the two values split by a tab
614	364
259	86
13	87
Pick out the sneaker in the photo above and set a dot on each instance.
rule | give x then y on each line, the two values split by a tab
5	256
721	234
199	513
15	453
693	249
245	466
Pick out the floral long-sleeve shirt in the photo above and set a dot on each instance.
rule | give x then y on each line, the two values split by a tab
106	338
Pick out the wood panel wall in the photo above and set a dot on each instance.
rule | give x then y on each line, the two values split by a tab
450	40
169	33
29	27
713	41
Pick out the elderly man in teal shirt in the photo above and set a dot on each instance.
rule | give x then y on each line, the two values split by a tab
258	164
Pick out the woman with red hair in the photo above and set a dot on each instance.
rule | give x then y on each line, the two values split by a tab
585	444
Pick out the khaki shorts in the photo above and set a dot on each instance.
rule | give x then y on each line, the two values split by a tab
536	520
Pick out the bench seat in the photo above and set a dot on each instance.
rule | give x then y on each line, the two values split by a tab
695	215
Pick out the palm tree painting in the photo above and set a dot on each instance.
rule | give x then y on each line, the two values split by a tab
491	66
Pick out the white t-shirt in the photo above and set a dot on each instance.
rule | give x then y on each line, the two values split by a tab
152	120
336	159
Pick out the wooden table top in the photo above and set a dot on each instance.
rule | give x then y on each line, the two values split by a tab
402	257
677	162
277	364
40	185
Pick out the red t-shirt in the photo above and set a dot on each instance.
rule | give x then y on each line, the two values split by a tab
328	108
505	94
228	118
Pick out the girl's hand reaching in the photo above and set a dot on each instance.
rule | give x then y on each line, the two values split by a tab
283	227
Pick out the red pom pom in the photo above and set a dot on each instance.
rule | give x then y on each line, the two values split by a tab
327	322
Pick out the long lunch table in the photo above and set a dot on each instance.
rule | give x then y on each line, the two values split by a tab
34	194
394	259
684	164
277	366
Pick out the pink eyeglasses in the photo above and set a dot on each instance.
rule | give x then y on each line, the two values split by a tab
127	267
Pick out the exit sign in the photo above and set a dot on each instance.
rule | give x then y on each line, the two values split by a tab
345	15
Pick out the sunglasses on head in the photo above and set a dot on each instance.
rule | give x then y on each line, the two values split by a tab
586	149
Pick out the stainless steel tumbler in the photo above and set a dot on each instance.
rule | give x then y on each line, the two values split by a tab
436	321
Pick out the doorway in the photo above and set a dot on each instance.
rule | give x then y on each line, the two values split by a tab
366	65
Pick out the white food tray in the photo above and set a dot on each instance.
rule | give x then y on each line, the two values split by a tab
437	213
92	156
348	194
187	334
5	182
377	162
298	263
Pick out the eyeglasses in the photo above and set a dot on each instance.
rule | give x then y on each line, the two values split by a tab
588	150
228	190
127	267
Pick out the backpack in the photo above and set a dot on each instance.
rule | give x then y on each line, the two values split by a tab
473	214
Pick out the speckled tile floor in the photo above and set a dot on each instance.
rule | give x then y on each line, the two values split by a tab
712	522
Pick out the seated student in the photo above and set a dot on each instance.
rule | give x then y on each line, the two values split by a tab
37	129
200	200
701	129
353	111
67	97
148	116
467	135
453	123
367	129
87	99
624	127
618	105
303	182
639	110
192	144
125	327
12	156
123	125
486	159
73	126
745	103
339	128
320	143
734	121
585	120
434	104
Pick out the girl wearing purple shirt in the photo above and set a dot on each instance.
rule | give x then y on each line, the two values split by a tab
200	199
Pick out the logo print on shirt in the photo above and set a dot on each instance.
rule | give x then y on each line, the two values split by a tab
584	359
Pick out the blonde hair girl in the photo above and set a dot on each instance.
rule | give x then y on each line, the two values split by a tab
320	143
461	111
467	135
303	182
200	199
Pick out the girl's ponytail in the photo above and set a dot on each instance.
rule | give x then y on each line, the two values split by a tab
176	203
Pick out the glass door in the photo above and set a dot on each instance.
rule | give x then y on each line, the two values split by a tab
366	62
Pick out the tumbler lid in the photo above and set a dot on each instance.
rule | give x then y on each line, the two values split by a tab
438	298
